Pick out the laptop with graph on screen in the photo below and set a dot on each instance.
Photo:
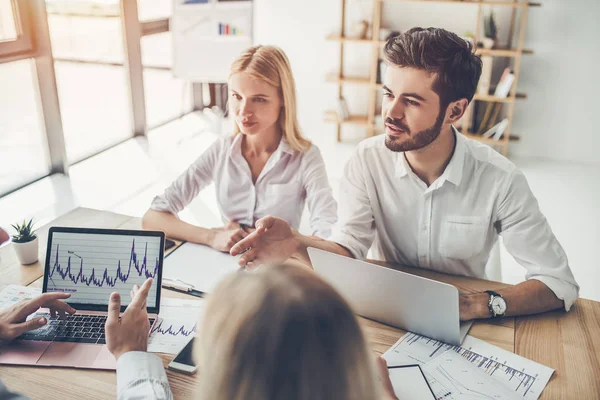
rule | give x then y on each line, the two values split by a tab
89	264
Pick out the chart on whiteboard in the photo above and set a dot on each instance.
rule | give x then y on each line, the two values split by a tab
92	266
521	376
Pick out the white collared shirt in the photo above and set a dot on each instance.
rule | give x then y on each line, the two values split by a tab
452	225
288	180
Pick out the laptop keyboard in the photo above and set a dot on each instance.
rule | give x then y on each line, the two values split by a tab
75	328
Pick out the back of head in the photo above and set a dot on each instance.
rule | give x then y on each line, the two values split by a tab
441	52
271	65
282	333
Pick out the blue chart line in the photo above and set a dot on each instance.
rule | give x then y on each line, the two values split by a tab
106	279
172	331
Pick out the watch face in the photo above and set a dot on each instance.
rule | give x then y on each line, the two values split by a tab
498	305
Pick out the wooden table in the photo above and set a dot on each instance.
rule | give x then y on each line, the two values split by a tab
567	342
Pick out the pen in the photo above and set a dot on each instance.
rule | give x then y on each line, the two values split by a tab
182	287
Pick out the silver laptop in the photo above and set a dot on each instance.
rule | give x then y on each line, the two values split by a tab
406	301
90	264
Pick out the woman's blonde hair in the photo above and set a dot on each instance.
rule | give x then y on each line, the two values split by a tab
271	65
282	333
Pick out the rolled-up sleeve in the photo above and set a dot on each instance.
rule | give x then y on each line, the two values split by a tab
319	197
185	188
141	375
355	229
528	238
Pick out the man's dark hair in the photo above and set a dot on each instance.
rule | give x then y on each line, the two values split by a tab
441	52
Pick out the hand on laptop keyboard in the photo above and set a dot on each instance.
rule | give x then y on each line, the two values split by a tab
13	321
78	328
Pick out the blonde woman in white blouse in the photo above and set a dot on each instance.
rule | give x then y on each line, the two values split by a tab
267	167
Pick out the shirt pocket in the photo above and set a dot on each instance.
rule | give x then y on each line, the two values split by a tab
462	237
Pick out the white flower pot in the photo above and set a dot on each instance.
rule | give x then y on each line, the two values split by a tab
27	253
488	43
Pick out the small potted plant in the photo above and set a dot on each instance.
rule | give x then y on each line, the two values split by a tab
25	242
490	31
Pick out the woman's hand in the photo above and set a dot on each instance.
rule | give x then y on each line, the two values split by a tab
223	239
13	322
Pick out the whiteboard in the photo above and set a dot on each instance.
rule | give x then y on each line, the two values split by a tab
208	35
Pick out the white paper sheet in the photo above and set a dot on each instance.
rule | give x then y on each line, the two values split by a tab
409	383
12	294
453	378
199	266
520	375
178	321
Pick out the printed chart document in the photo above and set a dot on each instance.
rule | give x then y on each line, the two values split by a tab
453	378
521	376
12	294
409	383
178	320
199	266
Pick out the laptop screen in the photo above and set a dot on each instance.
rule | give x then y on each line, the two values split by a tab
90	264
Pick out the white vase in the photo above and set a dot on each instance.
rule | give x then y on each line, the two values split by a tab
27	253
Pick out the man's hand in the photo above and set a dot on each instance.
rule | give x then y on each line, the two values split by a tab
13	322
224	238
273	241
130	332
473	306
388	388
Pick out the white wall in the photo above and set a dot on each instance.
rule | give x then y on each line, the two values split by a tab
561	78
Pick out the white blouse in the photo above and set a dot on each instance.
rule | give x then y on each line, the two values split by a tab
288	180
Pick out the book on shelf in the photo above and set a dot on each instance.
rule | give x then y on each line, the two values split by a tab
343	112
485	79
505	83
464	123
492	109
496	131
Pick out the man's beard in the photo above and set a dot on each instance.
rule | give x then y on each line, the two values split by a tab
413	142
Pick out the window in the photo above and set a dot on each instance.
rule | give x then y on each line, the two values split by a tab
23	148
8	27
149	10
166	96
87	44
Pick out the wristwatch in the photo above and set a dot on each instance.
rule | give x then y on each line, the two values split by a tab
496	304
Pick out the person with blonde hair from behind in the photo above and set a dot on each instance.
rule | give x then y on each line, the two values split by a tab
267	167
283	333
278	333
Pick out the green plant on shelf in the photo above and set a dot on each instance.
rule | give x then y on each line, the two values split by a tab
489	26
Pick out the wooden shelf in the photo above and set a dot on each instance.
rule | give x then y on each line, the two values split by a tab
361	120
490	141
512	52
502	52
338	38
492	98
484	3
355	80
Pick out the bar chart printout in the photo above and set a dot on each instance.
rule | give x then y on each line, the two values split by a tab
523	377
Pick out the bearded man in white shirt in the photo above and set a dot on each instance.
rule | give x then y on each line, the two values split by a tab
426	196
